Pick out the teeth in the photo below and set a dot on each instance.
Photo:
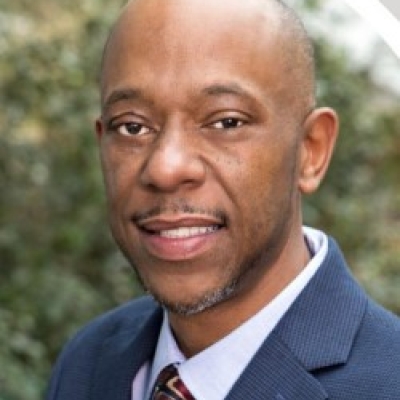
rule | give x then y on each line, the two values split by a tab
188	232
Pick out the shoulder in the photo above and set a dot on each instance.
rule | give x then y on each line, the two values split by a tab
380	332
127	317
373	367
80	355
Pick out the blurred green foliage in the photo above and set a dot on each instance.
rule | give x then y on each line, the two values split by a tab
59	266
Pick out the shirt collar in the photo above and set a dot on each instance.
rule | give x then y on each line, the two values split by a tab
225	358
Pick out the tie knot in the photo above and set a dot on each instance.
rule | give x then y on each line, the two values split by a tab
169	386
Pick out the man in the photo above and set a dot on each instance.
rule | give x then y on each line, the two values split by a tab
209	136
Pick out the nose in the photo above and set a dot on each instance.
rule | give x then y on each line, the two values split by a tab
173	162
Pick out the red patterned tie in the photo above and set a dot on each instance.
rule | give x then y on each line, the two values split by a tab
169	386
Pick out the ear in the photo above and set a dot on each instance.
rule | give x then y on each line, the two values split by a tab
99	128
319	138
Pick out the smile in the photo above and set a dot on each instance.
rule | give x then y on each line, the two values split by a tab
187	232
173	238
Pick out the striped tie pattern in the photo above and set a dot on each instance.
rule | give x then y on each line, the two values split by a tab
169	386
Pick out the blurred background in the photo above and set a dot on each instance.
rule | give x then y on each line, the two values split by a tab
58	264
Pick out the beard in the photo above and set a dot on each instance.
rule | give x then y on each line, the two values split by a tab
204	302
239	278
196	305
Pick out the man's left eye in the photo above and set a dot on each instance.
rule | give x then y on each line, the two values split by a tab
228	123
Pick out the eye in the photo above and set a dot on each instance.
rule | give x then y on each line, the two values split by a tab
228	123
131	129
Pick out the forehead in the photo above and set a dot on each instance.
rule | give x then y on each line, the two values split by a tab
165	42
174	16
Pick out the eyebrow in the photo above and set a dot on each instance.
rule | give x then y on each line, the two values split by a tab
122	95
221	89
218	89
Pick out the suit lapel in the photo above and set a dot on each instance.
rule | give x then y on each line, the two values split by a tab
321	325
317	332
275	374
121	357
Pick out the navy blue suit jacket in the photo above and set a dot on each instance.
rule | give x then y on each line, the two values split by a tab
333	343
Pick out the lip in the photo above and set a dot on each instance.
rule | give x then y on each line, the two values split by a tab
178	238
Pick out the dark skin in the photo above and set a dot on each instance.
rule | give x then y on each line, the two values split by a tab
206	153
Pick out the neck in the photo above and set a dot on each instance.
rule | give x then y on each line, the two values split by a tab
196	332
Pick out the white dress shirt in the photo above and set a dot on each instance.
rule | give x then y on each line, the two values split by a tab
225	359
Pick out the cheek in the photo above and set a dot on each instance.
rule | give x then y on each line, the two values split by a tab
119	173
262	181
119	178
253	175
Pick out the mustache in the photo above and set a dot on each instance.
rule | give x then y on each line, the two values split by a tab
180	207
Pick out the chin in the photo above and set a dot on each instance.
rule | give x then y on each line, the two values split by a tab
197	304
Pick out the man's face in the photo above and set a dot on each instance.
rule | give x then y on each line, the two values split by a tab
199	150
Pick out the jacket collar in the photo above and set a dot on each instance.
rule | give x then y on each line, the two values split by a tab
328	314
122	355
